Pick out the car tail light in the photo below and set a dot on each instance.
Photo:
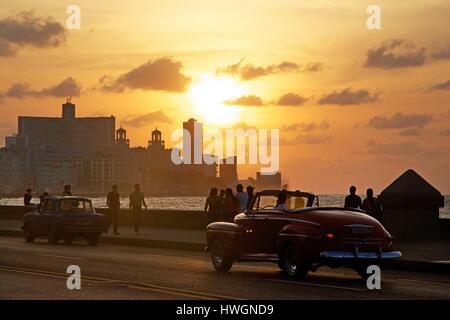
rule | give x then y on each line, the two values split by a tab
329	235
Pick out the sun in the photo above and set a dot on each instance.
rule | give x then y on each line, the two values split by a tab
208	95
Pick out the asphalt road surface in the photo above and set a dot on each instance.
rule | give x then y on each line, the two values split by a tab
38	271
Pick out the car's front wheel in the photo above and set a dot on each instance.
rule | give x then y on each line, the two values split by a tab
292	264
219	260
29	236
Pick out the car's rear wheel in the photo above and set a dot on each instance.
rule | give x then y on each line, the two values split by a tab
29	236
92	240
219	260
52	236
292	264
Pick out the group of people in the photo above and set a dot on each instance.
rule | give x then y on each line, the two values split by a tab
221	206
370	205
137	201
225	204
28	196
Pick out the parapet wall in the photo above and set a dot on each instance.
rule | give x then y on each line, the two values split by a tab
176	219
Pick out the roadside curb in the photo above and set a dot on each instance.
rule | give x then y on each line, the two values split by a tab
401	264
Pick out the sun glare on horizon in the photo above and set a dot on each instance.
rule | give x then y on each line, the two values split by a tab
208	95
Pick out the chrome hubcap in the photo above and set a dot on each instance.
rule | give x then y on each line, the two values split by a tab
217	254
290	261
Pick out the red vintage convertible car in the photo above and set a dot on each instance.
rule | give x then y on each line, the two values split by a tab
300	236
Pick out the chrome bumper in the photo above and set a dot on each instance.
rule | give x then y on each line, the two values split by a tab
360	255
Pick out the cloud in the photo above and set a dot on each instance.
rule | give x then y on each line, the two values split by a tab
349	97
441	86
399	121
250	72
69	87
291	99
26	29
146	119
441	53
160	74
411	132
249	101
306	139
393	149
395	53
306	126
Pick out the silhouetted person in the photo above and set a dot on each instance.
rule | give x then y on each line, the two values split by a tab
229	204
241	198
136	201
113	202
27	197
66	191
212	205
371	206
45	194
353	200
250	196
222	204
281	202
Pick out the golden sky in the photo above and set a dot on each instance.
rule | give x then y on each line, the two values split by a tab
353	105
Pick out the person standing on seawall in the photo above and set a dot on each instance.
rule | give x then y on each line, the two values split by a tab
353	200
27	197
371	206
136	201
241	198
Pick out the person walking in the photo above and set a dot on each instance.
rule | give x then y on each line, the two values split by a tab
136	201
27	197
212	205
353	200
371	206
113	202
241	198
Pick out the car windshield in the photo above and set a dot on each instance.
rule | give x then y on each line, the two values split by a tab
74	205
292	202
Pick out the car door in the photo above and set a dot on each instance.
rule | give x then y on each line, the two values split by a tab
254	237
45	214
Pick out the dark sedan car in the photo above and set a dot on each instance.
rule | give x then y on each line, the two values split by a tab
64	218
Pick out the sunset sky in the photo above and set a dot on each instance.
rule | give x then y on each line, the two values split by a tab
353	105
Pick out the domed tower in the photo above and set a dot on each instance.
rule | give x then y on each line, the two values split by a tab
156	141
121	137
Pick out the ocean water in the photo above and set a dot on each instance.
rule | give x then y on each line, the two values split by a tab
197	203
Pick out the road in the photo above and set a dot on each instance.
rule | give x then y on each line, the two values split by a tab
38	271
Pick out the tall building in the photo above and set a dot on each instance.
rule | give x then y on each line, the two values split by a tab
228	171
86	133
192	142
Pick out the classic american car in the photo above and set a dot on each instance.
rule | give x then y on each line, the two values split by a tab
64	218
300	236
